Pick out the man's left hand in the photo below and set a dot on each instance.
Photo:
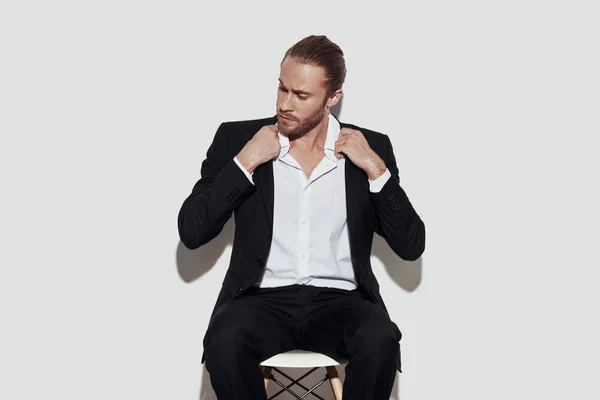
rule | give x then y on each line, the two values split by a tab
352	144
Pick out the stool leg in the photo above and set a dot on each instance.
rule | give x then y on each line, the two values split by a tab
266	372
336	382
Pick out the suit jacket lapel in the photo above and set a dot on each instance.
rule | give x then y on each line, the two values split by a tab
356	184
353	194
353	176
264	181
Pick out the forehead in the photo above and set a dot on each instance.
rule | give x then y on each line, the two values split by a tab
299	76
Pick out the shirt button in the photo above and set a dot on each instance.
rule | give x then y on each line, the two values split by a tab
303	222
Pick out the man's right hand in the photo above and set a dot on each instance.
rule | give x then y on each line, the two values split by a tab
264	146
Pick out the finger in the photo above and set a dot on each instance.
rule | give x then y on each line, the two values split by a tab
339	148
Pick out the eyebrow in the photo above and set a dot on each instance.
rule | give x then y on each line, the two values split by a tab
296	91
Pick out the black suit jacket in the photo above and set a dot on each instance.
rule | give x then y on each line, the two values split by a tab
224	189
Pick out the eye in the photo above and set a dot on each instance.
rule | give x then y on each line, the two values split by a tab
282	89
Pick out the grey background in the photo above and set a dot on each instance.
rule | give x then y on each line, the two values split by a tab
106	112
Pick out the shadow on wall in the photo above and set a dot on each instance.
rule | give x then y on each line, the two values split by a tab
406	274
192	264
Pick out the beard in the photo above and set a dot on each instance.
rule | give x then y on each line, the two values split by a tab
304	125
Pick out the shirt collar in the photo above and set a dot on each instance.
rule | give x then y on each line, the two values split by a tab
333	131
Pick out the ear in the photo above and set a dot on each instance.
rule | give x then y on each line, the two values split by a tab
334	98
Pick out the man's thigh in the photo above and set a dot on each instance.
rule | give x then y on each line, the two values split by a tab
257	321
339	318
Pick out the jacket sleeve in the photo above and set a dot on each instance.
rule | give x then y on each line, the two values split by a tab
221	189
398	222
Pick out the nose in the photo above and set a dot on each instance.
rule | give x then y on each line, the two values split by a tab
285	104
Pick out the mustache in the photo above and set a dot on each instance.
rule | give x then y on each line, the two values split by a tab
286	116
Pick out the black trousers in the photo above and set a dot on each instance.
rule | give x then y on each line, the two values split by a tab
265	321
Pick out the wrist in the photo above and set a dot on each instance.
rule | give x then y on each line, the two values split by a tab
375	168
247	161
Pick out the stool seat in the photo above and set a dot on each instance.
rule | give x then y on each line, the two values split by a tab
300	359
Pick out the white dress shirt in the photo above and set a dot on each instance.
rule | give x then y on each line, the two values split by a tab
310	244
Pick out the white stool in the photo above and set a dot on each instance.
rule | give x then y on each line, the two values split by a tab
302	359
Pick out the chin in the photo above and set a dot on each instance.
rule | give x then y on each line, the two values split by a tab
286	131
286	126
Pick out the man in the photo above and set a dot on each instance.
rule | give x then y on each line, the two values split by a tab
307	192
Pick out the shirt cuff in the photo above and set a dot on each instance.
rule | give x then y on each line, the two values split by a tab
248	174
376	185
